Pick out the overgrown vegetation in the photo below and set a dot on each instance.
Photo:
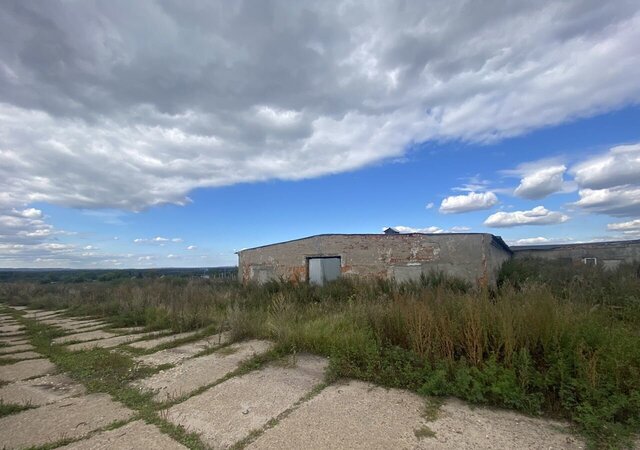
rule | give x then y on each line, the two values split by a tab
552	338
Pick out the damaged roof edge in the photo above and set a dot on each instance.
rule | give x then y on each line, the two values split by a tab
497	239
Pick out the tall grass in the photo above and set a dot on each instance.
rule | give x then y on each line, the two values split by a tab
550	339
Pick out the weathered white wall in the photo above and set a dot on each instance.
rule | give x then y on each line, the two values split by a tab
471	257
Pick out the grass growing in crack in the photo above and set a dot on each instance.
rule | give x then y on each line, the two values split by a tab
254	363
12	408
431	408
424	432
201	334
7	361
329	378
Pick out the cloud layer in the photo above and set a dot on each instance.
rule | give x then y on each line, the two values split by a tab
130	105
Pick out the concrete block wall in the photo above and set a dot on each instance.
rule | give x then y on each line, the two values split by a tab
608	254
472	257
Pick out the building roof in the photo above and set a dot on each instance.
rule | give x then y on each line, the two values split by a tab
495	239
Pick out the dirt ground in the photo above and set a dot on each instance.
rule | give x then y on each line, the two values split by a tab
284	404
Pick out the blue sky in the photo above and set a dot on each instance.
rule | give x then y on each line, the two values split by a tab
114	154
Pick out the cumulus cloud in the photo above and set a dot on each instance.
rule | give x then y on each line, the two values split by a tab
539	182
620	201
619	166
537	216
630	227
473	201
131	121
191	247
610	182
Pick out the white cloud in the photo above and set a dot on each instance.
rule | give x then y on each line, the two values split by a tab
160	240
619	166
429	205
529	241
429	230
537	216
539	241
610	183
191	247
30	213
131	122
89	247
621	201
540	182
473	201
630	227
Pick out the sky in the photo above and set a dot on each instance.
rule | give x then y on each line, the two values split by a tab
175	133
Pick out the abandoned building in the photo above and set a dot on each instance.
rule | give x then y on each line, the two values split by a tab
473	257
608	255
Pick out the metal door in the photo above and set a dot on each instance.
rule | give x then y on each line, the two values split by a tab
322	270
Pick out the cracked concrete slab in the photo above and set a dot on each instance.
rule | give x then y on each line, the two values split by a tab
26	369
151	343
43	314
21	355
15	349
109	342
228	412
13	334
11	328
135	435
353	415
459	425
18	340
76	326
360	415
86	329
128	330
41	391
67	419
82	337
194	373
175	355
